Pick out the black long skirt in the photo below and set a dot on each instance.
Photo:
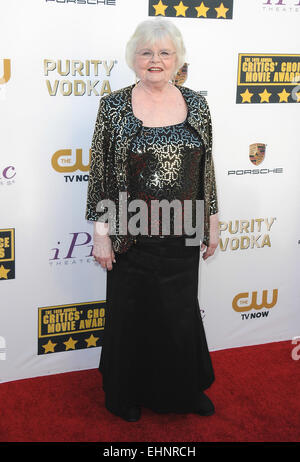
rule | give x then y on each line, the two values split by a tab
155	352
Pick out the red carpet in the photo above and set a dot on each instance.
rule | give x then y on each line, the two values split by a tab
256	395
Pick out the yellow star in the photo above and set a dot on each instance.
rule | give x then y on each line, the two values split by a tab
221	10
283	96
3	272
246	96
70	344
298	97
91	341
160	8
265	96
180	9
49	346
201	10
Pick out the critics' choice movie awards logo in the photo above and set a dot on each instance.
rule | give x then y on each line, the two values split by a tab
78	78
245	234
209	9
268	78
70	327
251	304
7	254
257	154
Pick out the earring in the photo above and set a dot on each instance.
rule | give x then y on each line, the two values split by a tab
136	80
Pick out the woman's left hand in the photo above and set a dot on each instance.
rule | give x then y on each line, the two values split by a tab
213	237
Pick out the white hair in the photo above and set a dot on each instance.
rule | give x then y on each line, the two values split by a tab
150	32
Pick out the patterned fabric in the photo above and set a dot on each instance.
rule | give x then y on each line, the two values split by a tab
114	130
165	164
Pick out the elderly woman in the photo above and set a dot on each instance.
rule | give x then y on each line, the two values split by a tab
153	141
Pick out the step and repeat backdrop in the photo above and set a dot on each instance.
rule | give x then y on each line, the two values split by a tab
58	58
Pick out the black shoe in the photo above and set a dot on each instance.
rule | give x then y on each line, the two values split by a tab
128	413
205	406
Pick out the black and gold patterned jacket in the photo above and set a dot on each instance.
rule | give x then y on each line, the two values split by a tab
115	127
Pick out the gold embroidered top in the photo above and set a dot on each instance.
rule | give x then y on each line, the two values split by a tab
115	128
165	166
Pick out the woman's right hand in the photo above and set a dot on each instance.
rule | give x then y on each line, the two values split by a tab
102	250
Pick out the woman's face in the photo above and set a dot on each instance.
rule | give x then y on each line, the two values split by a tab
155	64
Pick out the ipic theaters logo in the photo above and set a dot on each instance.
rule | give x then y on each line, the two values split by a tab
246	301
70	327
281	6
82	77
66	161
73	250
269	78
245	234
7	254
7	175
207	9
256	155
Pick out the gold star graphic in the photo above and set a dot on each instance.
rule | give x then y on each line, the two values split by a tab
160	8
180	9
70	344
265	96
202	10
246	96
221	10
298	97
283	96
91	341
3	272
49	346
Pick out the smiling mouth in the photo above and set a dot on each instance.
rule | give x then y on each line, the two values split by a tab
155	69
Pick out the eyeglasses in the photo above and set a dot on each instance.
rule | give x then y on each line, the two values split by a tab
148	54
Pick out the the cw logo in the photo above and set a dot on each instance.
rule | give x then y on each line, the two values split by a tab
6	71
244	300
78	165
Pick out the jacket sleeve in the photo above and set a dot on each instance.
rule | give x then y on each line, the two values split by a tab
211	180
97	177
